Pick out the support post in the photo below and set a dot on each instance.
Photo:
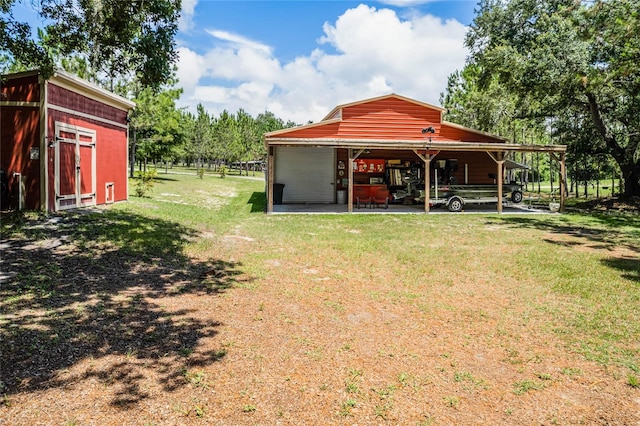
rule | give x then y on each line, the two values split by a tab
427	177
270	173
498	157
427	182
561	181
350	176
500	162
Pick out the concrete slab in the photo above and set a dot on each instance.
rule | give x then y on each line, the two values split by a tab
405	209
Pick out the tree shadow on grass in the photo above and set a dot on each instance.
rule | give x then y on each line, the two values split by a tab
603	231
258	201
630	268
82	287
609	232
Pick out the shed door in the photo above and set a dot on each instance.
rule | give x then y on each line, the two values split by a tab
307	174
75	167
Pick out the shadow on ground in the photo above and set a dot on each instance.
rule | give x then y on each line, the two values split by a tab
258	201
86	286
614	233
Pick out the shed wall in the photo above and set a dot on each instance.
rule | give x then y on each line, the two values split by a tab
19	134
111	154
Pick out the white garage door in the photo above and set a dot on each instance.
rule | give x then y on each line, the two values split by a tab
307	174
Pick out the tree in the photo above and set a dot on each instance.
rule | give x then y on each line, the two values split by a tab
569	60
117	37
156	124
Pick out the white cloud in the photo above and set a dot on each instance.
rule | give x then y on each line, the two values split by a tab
185	23
366	52
239	41
405	3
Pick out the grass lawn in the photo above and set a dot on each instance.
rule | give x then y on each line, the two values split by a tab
191	306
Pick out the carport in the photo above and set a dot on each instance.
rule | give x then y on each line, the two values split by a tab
319	160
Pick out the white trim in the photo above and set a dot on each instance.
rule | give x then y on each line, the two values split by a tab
44	147
107	186
78	196
89	116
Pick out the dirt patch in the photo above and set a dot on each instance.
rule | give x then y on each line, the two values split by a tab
106	334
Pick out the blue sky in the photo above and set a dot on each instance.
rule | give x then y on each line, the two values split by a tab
299	59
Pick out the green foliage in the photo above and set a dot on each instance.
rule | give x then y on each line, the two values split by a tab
569	67
118	39
145	182
226	138
157	123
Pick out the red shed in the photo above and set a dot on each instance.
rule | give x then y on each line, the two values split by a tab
63	142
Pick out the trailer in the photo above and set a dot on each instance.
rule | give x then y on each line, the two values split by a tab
454	197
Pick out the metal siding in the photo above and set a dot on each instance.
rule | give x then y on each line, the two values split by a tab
388	118
452	133
479	166
307	173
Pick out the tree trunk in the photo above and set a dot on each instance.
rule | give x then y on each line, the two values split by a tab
631	178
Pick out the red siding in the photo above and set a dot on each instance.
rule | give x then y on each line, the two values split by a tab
23	89
19	132
479	165
111	156
457	134
77	102
388	118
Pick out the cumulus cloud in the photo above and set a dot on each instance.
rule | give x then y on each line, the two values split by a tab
366	52
405	3
185	23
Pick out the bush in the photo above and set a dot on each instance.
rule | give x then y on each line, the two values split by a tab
145	182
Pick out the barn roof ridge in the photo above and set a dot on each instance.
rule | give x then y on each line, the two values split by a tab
378	98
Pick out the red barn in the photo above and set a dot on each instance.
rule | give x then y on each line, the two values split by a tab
381	144
63	142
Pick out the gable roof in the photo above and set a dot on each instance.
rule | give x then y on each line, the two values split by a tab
385	118
337	111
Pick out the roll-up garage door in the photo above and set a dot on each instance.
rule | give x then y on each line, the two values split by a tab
307	173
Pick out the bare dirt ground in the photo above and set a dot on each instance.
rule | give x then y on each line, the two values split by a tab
108	338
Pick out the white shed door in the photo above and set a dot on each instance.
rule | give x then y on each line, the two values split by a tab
307	174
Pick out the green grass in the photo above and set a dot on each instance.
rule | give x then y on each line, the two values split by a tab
575	256
579	271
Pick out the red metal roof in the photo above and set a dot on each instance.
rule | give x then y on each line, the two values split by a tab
391	117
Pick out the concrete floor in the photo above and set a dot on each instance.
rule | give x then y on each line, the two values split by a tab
510	208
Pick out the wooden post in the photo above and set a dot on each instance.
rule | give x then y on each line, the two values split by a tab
500	162
498	157
350	176
427	177
562	181
427	182
270	173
